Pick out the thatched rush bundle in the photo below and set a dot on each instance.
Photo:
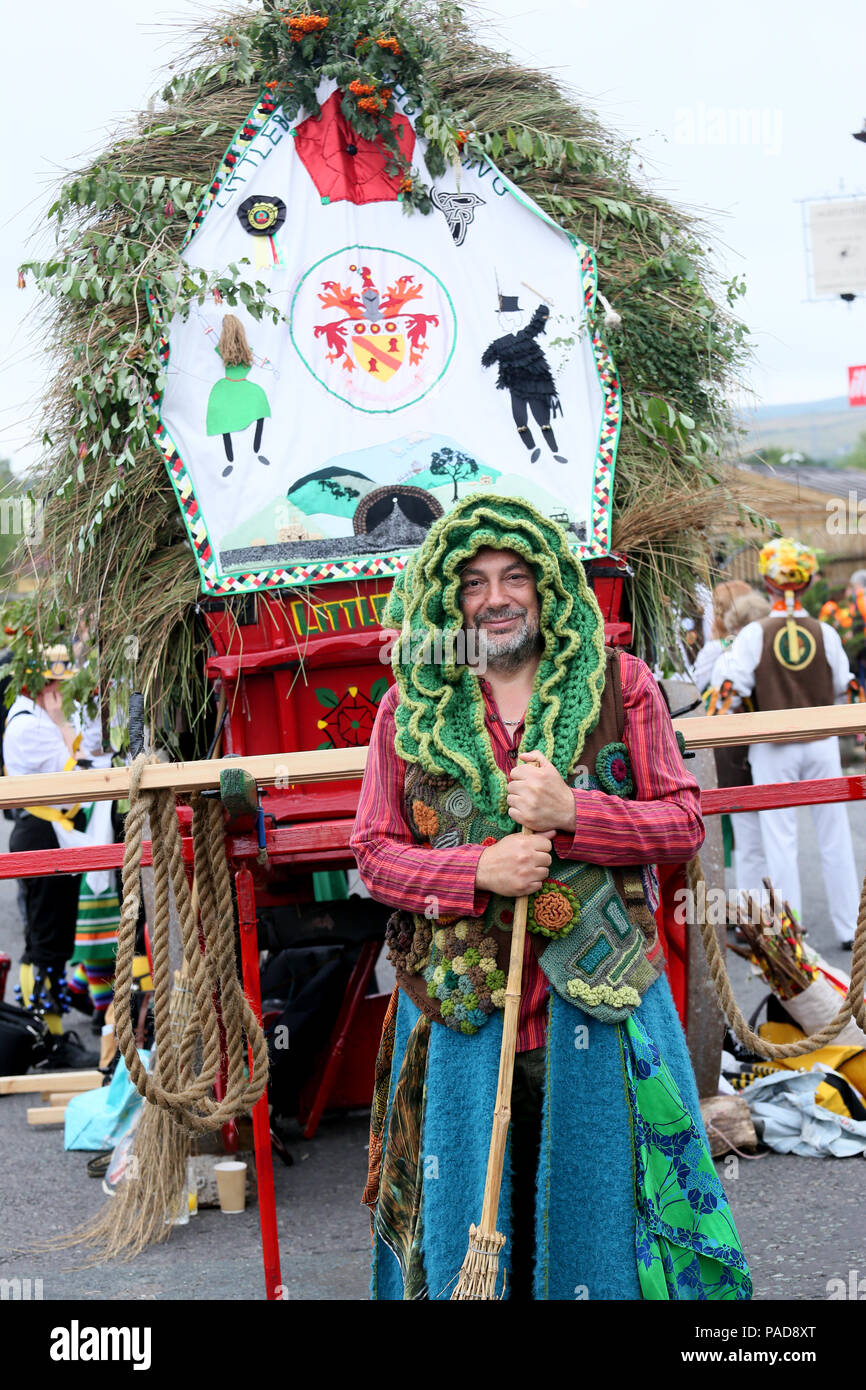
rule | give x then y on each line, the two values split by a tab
115	551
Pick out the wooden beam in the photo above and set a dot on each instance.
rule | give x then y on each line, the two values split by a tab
112	783
50	1081
60	1099
46	1115
288	770
772	726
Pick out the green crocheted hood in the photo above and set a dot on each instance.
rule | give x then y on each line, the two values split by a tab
440	717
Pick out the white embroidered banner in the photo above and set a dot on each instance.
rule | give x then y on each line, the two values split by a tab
418	359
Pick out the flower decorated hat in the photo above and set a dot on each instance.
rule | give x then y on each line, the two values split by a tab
787	564
58	664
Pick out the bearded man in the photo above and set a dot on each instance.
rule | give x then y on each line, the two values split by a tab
609	1191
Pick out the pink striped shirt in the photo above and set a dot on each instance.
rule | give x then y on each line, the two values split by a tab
662	824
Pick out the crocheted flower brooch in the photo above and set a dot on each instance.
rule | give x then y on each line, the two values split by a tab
554	910
613	770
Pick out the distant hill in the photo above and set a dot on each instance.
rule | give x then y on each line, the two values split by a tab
822	429
333	471
311	495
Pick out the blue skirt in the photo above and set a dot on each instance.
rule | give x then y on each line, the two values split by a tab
628	1205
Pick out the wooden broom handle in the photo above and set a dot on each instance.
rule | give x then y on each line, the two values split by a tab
502	1111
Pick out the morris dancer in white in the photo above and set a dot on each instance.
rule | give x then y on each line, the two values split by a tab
735	605
791	661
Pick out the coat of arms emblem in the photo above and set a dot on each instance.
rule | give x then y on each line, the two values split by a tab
378	330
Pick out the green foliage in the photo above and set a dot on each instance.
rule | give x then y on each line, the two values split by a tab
117	368
14	518
857	457
374	52
30	628
816	596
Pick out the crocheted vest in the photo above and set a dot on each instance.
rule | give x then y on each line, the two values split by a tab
591	928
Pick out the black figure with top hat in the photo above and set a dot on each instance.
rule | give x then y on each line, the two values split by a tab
524	371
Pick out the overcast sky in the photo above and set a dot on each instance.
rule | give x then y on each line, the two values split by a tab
676	76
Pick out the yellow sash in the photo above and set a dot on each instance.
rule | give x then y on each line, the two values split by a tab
64	818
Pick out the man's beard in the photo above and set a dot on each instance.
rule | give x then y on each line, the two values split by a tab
508	651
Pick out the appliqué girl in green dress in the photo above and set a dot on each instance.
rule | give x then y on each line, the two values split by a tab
234	403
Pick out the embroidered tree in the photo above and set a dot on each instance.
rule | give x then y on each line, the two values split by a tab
445	463
338	490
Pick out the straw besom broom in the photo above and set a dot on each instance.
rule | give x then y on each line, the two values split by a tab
480	1270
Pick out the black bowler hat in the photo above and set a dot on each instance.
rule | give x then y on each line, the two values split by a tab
508	304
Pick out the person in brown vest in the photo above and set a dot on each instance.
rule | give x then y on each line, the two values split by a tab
791	661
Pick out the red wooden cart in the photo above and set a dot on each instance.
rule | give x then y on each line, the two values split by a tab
305	670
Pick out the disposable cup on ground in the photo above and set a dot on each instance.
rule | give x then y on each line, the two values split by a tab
231	1177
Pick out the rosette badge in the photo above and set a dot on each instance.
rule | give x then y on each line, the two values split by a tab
262	217
613	769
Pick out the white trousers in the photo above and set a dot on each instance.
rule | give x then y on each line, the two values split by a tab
800	762
750	865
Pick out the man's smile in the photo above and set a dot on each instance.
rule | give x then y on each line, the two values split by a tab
499	622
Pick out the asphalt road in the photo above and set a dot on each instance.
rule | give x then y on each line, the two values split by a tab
802	1221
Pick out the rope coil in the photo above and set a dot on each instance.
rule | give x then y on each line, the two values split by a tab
209	965
853	1005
